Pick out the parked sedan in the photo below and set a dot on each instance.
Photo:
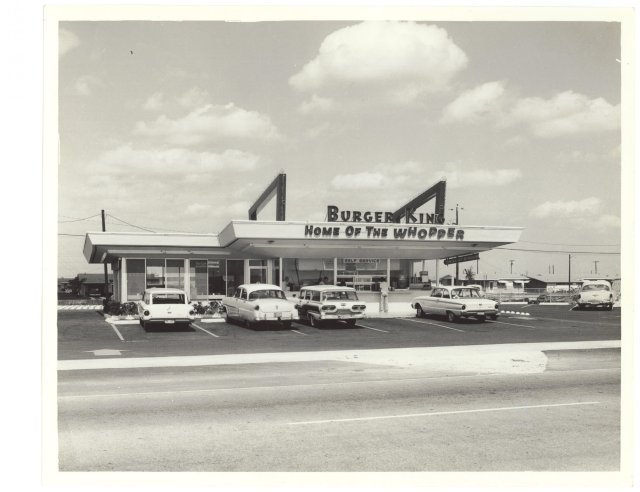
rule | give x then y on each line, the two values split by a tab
455	303
319	303
595	295
165	306
259	303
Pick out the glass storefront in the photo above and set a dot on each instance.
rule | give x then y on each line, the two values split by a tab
299	272
136	279
219	277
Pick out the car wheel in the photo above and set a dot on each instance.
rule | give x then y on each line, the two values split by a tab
451	318
482	319
287	323
493	317
419	312
351	322
610	307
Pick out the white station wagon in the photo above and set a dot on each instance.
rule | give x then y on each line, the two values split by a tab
166	306
259	303
330	302
454	303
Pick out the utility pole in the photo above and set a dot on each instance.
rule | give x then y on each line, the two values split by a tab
456	209
569	273
106	275
595	262
512	262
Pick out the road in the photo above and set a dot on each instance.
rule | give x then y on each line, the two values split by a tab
526	394
337	417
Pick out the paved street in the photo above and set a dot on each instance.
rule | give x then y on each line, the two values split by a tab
537	392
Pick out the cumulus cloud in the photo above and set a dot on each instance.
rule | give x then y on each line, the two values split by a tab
155	102
402	176
566	113
400	60
67	40
197	209
567	209
210	122
479	177
475	105
85	85
317	105
173	162
194	98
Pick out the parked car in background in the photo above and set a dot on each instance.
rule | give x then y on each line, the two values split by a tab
595	294
455	303
320	303
259	303
165	306
541	298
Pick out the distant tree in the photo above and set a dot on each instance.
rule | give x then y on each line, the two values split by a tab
75	284
469	275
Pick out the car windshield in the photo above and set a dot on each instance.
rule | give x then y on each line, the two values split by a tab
339	295
465	293
595	287
168	299
267	294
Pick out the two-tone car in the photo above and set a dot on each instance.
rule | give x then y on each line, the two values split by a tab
595	294
319	303
165	306
259	303
456	302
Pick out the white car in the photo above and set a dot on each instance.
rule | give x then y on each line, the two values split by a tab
165	306
259	303
318	303
454	303
595	294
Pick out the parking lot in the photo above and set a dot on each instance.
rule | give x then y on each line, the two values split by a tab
84	334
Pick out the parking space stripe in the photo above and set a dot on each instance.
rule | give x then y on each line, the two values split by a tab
117	332
512	324
434	324
372	328
296	331
206	331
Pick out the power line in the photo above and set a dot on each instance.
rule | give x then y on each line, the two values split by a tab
132	225
77	220
565	244
559	251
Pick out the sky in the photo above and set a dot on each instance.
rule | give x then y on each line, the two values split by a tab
179	126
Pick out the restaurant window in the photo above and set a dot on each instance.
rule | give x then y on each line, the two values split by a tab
363	274
257	271
234	275
300	272
401	271
198	279
216	272
175	274
155	273
135	279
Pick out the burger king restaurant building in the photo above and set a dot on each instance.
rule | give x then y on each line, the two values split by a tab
363	253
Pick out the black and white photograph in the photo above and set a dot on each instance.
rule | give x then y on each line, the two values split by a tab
335	241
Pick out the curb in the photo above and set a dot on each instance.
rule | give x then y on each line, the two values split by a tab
521	313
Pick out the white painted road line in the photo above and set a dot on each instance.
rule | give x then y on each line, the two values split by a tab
452	412
117	332
206	331
371	328
299	332
434	324
511	324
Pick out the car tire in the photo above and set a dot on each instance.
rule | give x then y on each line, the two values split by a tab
451	318
287	323
610	307
493	317
352	322
482	319
419	312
